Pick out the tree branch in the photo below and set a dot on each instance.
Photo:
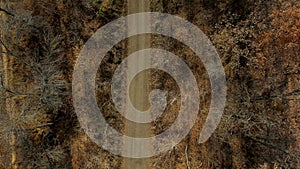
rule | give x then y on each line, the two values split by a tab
270	145
5	11
6	48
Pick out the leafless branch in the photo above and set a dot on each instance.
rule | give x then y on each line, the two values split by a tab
5	11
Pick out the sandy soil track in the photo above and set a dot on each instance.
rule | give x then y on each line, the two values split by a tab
140	86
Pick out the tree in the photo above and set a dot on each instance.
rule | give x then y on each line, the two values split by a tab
32	84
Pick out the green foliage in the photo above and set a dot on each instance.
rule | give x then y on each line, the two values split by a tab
100	13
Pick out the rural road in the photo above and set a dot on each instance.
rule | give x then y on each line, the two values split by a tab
139	88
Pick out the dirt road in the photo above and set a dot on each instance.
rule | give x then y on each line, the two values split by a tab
140	85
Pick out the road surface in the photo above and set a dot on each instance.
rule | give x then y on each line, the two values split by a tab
140	85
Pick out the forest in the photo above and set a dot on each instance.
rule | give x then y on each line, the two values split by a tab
258	42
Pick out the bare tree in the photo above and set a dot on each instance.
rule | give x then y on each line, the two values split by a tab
32	84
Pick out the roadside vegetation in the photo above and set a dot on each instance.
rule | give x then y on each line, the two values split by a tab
258	42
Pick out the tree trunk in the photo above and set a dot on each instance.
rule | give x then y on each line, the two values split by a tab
8	63
9	104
